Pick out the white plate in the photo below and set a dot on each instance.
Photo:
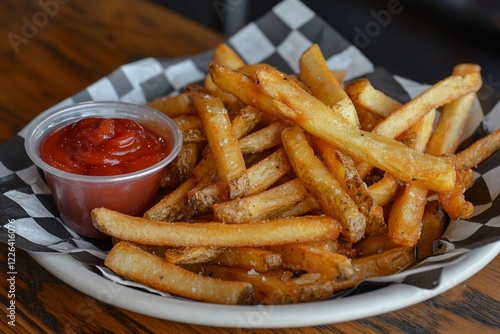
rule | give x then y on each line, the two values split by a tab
387	299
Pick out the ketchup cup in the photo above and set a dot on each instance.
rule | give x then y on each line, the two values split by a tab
76	195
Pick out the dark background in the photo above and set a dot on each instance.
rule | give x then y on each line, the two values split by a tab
422	41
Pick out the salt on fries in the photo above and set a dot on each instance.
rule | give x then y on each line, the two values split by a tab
290	188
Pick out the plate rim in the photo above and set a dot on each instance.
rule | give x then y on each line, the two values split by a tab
66	268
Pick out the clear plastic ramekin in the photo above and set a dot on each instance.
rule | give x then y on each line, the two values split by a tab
76	195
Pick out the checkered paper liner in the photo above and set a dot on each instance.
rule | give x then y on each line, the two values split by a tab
278	38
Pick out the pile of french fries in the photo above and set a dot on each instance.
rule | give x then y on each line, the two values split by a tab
289	188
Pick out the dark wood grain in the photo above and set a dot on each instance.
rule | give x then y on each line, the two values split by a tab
86	40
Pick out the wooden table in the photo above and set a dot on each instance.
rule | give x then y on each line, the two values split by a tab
74	43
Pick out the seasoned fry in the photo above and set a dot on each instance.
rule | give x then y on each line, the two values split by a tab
173	106
257	259
245	121
131	262
173	206
224	55
383	191
363	93
405	218
479	151
191	128
343	168
243	87
318	78
270	288
308	205
267	171
263	139
441	93
385	263
435	173
373	245
264	205
330	195
182	166
260	177
189	255
313	258
454	202
215	234
228	157
449	129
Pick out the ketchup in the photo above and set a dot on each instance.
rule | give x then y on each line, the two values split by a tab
103	146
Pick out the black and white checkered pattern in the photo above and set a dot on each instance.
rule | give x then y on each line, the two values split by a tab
278	38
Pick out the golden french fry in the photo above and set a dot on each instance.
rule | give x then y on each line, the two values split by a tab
441	93
373	245
182	166
479	151
433	225
454	202
242	124
330	195
306	206
206	194
449	129
405	218
263	139
436	173
384	190
189	255
258	259
133	263
269	288
245	121
264	205
313	258
318	78
267	171
215	234
385	263
191	128
467	177
173	106
229	161
374	101
173	206
260	177
343	168
224	55
243	87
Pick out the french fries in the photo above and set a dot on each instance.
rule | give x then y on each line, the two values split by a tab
290	188
138	265
215	234
229	160
330	195
435	173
